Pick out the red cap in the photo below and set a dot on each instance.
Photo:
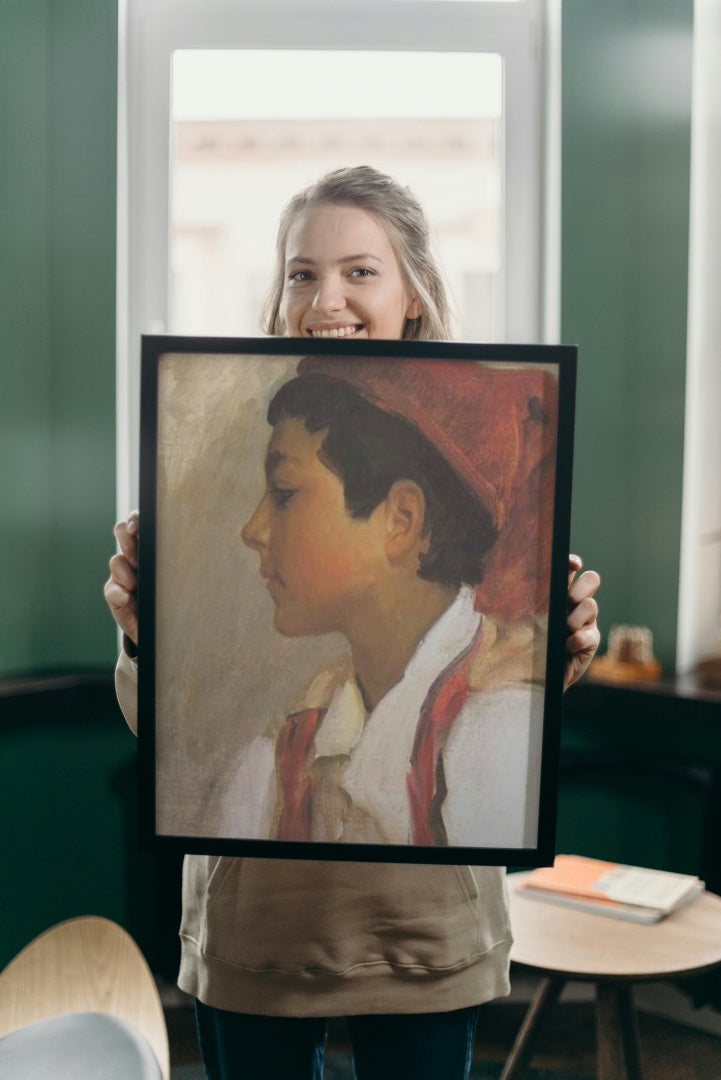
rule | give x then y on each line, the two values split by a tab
496	427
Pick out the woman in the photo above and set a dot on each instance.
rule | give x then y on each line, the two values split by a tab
271	948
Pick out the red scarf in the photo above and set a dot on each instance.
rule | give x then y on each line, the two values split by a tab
425	781
294	758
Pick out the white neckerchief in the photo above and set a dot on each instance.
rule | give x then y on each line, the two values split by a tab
379	744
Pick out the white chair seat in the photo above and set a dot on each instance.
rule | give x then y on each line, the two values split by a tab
78	1046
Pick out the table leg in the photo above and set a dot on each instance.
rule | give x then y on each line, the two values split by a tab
544	999
617	1033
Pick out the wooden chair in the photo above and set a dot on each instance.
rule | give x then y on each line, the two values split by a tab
89	971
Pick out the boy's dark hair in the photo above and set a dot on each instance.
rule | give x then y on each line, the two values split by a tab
369	450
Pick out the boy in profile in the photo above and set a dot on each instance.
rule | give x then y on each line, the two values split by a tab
407	506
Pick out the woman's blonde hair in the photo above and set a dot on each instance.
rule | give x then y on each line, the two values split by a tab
403	217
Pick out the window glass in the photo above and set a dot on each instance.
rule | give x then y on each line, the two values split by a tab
251	127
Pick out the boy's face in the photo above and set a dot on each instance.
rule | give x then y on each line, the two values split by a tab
318	562
342	277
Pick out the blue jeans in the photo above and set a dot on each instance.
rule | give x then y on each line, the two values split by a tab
413	1046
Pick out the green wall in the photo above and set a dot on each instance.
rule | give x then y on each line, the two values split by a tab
66	759
625	200
68	804
58	72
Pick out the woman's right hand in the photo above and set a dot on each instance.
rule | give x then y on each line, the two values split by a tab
121	587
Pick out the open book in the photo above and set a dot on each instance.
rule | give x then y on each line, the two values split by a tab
608	888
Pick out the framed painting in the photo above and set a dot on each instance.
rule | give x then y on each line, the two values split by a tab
352	597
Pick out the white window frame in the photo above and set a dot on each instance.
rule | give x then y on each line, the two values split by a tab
526	34
699	596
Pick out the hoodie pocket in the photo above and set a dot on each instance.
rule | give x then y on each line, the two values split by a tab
298	916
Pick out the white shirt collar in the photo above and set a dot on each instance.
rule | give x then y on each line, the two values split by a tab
347	716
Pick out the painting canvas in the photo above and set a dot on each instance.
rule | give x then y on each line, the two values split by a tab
352	596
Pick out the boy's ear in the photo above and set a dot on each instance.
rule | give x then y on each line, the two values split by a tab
405	518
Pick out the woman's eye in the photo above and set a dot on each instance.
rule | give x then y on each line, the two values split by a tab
280	497
362	272
300	276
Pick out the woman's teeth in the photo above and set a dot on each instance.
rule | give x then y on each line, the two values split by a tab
337	331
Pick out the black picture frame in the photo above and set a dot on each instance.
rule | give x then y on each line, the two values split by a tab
213	670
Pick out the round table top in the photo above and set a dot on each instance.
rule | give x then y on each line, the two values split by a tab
559	940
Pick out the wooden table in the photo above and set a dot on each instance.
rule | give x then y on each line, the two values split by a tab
563	944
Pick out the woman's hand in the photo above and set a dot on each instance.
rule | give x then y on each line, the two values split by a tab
121	587
583	635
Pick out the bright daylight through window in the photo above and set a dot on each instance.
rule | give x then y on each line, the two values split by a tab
238	156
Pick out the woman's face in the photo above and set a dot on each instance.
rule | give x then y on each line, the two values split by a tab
342	277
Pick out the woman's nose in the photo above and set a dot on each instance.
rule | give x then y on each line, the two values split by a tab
329	296
255	530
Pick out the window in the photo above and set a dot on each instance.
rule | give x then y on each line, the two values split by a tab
227	107
235	161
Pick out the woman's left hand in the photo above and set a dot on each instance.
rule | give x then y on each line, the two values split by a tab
583	635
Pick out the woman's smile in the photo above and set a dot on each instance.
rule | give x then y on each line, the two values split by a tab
335	331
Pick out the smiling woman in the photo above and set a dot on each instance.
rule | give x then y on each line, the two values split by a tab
343	277
353	259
